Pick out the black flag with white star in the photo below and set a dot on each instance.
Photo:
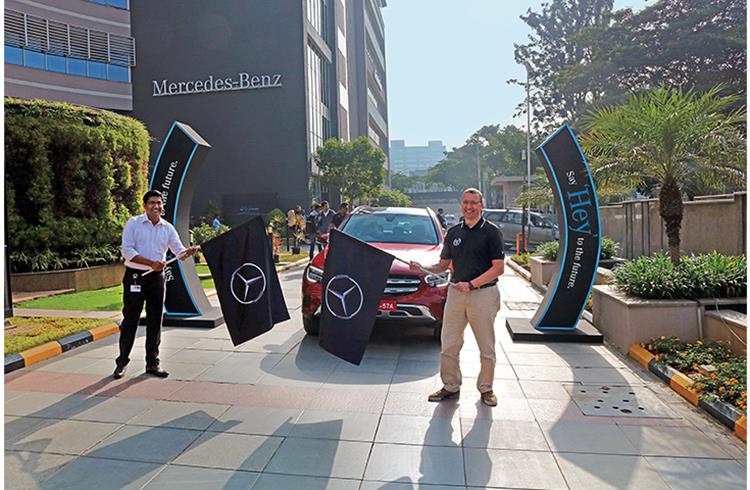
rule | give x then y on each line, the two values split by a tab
241	263
353	283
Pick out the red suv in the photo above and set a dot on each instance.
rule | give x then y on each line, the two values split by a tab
407	233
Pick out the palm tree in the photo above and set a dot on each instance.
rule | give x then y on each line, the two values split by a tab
673	137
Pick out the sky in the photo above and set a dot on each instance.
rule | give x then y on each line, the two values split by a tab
447	62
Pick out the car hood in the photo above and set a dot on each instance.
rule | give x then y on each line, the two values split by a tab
424	254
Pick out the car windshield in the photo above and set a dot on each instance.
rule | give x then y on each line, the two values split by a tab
392	228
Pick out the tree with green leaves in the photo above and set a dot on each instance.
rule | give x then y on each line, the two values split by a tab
671	136
356	168
688	43
550	49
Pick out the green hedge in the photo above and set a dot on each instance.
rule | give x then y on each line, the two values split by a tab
697	276
73	177
548	250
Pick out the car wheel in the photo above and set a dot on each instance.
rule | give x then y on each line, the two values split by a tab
311	324
437	330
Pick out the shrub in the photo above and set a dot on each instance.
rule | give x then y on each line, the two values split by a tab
205	232
522	260
276	219
697	276
391	197
610	248
74	175
548	250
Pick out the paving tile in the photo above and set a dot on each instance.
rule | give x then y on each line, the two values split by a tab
180	415
256	420
346	426
230	451
410	383
378	485
198	356
149	444
64	437
102	473
294	378
558	410
186	477
423	464
587	438
420	366
502	434
367	401
417	404
607	471
545	390
317	457
29	470
358	380
672	441
564	359
104	367
143	387
515	469
65	364
573	374
17	427
268	481
506	409
205	392
276	396
213	344
426	431
699	474
48	405
114	410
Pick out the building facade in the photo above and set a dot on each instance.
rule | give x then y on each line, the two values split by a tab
415	160
78	51
265	83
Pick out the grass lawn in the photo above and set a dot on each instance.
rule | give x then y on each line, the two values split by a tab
25	333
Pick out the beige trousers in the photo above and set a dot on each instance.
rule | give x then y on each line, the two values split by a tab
479	308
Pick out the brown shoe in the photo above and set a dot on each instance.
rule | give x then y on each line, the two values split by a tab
489	398
443	394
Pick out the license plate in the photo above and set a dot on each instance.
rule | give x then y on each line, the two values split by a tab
388	305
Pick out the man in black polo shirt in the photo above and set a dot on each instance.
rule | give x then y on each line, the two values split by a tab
475	247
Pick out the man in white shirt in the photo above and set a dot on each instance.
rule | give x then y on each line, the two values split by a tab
145	241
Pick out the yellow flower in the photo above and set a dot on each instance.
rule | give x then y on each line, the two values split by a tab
663	337
699	342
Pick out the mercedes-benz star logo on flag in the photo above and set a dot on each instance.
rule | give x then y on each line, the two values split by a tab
248	283
343	297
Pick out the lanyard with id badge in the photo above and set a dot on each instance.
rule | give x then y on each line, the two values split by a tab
135	287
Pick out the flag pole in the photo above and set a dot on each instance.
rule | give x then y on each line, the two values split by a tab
166	263
420	267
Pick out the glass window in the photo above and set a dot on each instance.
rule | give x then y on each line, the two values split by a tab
34	59
77	67
13	55
56	63
102	2
118	73
97	70
392	228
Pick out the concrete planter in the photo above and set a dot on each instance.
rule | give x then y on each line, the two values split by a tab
541	270
625	320
96	277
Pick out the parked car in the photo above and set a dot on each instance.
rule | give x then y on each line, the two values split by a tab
408	233
542	229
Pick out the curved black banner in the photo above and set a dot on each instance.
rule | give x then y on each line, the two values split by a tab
580	232
179	160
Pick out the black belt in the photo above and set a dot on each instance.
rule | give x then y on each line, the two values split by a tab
488	285
140	271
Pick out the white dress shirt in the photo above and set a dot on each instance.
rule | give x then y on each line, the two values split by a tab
141	237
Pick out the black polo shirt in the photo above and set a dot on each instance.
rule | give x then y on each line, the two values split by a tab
472	250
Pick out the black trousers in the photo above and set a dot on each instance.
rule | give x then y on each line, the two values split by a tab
152	292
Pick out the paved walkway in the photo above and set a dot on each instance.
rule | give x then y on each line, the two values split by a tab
278	412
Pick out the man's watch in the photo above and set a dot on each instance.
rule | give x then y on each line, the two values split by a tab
471	286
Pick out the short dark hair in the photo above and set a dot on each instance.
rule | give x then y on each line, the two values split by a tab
317	206
150	194
440	210
343	204
323	203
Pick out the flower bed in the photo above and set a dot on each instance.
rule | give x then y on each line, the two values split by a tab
716	373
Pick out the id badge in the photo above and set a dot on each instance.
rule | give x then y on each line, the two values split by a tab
135	288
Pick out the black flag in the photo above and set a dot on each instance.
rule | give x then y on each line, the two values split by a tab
241	263
353	283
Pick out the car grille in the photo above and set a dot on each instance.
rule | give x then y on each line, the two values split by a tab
398	285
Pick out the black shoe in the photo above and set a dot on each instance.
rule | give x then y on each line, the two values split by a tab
156	371
119	372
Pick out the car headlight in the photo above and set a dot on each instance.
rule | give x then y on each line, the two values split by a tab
314	274
438	280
